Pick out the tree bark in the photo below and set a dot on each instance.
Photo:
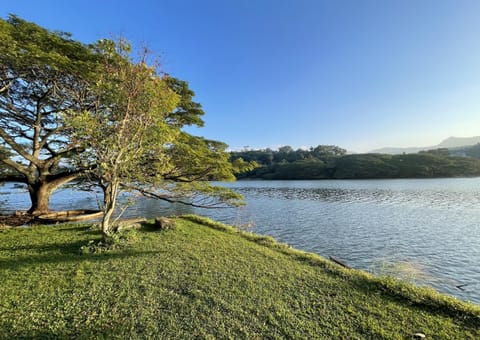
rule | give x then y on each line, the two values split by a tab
110	200
40	192
40	197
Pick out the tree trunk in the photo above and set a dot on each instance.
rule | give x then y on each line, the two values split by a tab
40	193
110	199
40	197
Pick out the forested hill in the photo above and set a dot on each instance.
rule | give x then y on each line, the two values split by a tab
466	151
332	162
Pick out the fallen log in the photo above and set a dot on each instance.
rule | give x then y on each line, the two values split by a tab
69	216
341	263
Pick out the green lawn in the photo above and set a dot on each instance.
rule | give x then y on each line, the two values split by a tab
204	280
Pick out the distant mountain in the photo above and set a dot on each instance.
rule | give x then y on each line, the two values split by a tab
397	151
449	143
456	142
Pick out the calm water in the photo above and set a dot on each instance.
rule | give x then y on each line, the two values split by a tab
425	231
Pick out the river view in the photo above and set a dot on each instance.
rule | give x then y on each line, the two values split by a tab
423	231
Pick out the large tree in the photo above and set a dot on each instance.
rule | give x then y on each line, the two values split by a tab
43	75
133	136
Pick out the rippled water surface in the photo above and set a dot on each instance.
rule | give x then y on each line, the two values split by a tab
425	231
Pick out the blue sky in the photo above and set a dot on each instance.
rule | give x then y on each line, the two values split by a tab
355	73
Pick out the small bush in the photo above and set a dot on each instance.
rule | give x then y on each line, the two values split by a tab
116	240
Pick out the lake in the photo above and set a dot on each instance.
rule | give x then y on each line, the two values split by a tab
426	231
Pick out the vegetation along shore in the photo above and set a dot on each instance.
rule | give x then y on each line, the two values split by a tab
333	162
203	279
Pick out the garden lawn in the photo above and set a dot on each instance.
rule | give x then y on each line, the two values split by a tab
204	280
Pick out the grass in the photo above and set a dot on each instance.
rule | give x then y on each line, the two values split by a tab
205	280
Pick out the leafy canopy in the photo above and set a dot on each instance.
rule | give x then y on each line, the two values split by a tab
133	135
43	75
69	109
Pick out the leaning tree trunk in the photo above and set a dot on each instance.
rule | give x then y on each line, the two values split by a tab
110	199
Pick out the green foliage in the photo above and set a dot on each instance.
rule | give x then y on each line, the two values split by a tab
35	52
364	166
205	282
133	136
336	165
200	159
70	110
129	120
302	169
187	111
127	125
286	154
43	74
114	241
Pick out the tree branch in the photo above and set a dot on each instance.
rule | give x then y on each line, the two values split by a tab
65	174
171	199
189	177
13	178
60	154
15	146
7	86
50	132
18	167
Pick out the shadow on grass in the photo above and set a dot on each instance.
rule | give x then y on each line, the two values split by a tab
62	247
26	261
67	252
150	227
78	228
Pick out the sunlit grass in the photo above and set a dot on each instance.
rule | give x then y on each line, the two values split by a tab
205	280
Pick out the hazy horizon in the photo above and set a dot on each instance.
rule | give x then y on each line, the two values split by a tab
306	147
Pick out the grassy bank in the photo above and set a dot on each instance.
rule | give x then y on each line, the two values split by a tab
204	280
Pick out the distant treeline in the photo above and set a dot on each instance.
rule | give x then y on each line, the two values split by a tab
332	162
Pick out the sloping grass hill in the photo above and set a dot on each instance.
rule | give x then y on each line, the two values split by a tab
204	280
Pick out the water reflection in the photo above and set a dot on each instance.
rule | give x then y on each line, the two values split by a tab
428	198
